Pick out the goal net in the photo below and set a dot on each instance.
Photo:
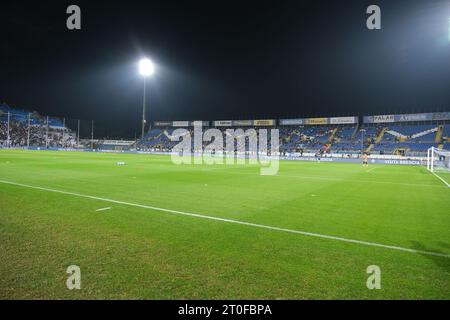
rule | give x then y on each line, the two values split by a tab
438	162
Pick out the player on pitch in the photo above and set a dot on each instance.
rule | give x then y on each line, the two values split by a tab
365	160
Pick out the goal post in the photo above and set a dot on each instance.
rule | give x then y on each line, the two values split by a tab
430	157
438	163
438	159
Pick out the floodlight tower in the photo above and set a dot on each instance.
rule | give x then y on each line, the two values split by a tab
146	69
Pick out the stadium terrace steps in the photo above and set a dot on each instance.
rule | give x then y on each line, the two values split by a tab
381	135
355	132
446	132
439	133
369	148
333	133
423	133
396	134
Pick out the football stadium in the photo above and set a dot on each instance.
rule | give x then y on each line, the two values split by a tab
263	201
308	232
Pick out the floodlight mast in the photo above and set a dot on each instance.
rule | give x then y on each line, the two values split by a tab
143	109
146	69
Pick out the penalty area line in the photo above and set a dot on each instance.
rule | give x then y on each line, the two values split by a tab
255	225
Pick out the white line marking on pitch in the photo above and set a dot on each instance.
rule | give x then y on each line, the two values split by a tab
446	183
261	226
103	209
372	169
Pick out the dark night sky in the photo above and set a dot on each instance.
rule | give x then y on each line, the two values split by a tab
221	60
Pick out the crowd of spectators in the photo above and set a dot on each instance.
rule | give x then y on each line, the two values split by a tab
317	138
37	135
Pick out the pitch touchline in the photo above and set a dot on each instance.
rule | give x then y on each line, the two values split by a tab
261	226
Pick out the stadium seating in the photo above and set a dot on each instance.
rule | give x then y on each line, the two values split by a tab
53	136
410	138
383	138
446	133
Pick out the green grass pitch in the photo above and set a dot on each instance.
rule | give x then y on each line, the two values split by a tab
130	252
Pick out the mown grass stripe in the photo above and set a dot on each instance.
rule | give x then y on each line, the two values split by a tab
261	226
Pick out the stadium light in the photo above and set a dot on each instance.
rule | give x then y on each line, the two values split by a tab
146	69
